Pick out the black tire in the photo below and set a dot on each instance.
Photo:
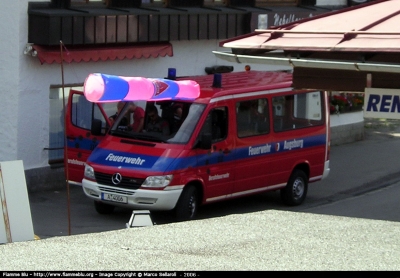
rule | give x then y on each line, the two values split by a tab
296	189
103	208
187	206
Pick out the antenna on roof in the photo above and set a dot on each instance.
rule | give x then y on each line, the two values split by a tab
217	82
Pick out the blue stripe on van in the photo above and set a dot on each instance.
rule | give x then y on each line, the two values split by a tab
280	146
128	160
82	143
147	162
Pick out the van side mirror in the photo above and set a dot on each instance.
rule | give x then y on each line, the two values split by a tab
205	141
95	129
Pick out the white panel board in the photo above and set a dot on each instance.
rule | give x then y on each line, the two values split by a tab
382	103
3	224
17	202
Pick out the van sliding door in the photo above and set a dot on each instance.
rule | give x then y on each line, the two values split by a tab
253	145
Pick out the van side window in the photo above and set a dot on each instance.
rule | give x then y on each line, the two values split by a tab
216	124
297	111
252	117
83	111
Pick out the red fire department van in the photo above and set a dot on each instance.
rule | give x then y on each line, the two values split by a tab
245	133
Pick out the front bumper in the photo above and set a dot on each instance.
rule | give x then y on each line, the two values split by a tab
136	199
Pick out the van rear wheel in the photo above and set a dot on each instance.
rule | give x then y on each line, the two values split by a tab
103	208
296	189
186	208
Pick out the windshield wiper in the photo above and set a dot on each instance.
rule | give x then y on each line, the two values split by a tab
121	133
151	136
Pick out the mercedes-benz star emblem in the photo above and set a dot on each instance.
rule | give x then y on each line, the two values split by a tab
116	178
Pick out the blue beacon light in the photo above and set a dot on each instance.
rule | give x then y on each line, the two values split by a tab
217	82
171	73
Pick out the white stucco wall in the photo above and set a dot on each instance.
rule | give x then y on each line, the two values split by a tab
9	68
25	83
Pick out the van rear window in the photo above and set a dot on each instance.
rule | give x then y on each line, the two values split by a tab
297	111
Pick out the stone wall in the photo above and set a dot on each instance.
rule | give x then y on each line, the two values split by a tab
347	128
344	134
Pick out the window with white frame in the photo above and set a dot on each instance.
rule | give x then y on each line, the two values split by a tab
57	98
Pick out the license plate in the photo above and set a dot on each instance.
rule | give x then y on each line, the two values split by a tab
114	198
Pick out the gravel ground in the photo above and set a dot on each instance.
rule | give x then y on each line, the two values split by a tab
268	240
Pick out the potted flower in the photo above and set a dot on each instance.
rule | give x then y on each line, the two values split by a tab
339	102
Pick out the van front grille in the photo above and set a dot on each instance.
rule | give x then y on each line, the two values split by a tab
126	182
115	191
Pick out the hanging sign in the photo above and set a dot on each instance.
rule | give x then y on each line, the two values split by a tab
382	103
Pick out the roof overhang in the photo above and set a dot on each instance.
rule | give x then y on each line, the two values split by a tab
347	49
371	27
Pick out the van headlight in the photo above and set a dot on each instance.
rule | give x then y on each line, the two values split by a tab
157	181
89	172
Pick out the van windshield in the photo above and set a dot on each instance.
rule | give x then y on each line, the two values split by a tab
170	122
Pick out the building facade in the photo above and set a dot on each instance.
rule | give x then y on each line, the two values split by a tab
51	46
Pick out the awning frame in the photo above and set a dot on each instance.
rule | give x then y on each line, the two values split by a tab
278	59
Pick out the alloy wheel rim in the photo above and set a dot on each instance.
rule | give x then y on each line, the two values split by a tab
298	189
192	206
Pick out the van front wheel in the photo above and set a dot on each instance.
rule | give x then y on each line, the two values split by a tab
296	189
187	206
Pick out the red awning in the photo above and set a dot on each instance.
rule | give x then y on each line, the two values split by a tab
51	54
372	27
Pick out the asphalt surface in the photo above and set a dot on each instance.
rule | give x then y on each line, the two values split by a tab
261	240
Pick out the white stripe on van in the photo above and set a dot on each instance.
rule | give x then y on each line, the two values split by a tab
266	188
237	194
259	93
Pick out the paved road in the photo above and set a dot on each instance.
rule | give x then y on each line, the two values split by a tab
381	204
356	168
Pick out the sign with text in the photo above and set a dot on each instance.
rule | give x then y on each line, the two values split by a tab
265	20
382	103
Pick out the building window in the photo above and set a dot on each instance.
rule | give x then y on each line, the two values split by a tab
56	123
